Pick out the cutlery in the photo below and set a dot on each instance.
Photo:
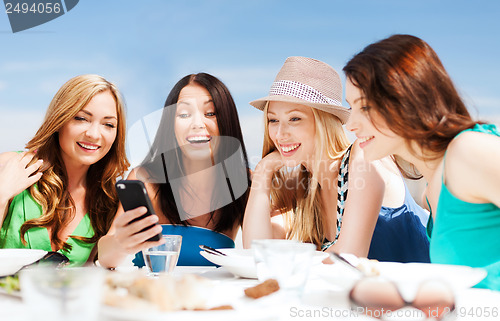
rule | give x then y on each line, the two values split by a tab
345	262
211	250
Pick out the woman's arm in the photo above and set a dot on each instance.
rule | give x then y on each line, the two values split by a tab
257	220
16	176
362	206
124	238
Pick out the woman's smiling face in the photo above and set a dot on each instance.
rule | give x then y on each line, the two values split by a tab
195	121
373	133
292	127
89	136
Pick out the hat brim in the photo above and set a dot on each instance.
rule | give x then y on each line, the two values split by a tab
340	111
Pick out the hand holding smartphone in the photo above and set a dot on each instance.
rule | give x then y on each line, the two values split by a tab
133	194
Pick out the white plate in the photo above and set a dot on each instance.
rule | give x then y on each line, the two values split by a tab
336	274
11	260
240	262
457	276
112	313
405	274
221	294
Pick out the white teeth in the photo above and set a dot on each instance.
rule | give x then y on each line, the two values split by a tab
286	149
88	146
365	139
198	139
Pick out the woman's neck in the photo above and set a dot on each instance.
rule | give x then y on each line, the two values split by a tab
193	166
77	176
199	176
426	163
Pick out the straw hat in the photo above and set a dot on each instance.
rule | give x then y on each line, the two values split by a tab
307	82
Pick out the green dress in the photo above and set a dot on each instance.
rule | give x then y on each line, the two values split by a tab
468	233
24	208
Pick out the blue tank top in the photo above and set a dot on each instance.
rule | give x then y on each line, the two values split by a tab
399	234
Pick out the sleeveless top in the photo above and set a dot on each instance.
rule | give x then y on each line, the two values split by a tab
399	234
468	233
341	197
23	208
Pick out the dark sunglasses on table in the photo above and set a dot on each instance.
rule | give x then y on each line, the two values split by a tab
55	259
380	298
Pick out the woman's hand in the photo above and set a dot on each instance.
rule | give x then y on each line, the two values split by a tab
16	175
130	237
271	163
265	169
257	219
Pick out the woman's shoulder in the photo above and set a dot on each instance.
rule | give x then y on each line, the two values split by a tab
472	157
471	146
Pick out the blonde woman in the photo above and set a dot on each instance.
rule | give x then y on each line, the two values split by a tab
60	195
311	185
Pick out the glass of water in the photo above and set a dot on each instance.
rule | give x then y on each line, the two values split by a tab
67	294
286	261
163	258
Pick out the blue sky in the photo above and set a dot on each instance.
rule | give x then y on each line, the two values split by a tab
146	46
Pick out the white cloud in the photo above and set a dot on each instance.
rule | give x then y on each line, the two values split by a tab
247	79
253	135
487	103
17	128
29	66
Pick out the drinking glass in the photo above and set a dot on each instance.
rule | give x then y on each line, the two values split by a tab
69	294
286	261
163	258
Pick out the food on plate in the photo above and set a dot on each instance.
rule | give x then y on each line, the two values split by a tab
220	307
10	284
265	288
368	267
166	293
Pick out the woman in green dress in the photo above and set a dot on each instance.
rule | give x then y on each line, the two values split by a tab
404	103
59	195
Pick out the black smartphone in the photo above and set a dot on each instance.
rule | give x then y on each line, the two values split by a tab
132	194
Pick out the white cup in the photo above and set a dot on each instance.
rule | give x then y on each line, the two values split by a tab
163	258
286	261
69	294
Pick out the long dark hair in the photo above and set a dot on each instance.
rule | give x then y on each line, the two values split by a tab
165	157
404	81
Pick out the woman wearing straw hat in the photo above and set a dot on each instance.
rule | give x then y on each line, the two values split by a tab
313	186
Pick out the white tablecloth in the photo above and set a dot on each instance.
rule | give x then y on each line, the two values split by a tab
321	300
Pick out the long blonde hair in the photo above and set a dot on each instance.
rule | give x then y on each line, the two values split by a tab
296	193
101	200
